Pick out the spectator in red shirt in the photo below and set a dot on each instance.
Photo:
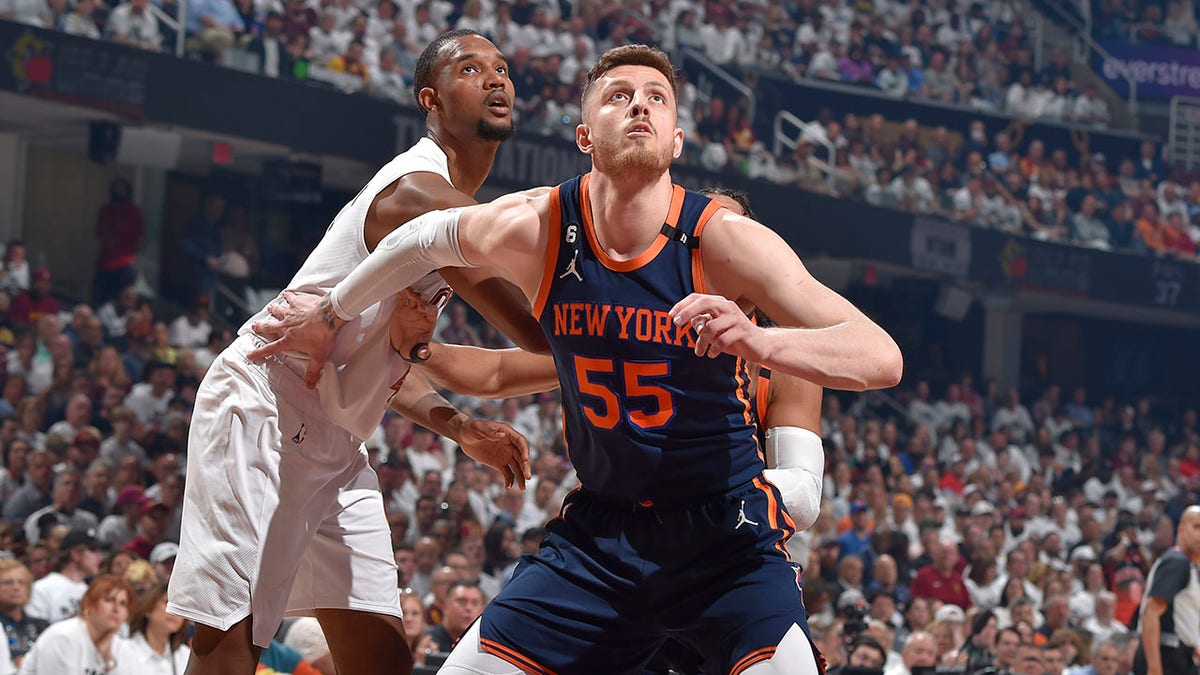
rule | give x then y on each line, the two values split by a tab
119	229
943	579
31	305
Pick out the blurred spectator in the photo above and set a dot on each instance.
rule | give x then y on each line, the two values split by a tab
271	48
464	603
119	230
63	510
351	61
201	246
35	493
80	22
191	330
156	638
90	642
306	637
212	26
419	641
389	81
1090	109
56	596
131	23
29	306
20	629
29	12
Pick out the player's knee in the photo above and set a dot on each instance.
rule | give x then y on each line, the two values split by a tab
793	656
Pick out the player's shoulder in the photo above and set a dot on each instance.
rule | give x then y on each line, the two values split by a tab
530	203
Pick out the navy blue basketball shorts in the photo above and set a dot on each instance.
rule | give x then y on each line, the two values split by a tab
612	582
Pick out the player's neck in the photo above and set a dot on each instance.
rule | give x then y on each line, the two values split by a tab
628	212
468	160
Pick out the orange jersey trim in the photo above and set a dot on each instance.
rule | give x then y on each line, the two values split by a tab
776	514
698	258
756	656
589	226
514	657
543	292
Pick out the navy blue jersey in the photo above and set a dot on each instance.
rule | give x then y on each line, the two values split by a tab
646	420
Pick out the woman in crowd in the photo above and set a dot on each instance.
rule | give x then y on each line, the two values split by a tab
87	643
414	627
21	630
155	637
13	476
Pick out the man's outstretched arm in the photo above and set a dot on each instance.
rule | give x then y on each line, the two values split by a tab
504	231
489	373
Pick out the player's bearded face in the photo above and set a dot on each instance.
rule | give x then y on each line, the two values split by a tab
632	122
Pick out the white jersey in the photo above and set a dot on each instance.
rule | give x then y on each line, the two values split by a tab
356	383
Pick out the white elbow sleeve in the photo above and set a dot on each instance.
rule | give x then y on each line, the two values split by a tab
411	251
799	460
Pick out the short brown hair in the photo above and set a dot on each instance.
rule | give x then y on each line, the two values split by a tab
630	55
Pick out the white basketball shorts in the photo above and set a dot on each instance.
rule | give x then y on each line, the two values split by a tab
281	513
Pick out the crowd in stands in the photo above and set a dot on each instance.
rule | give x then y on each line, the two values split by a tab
1166	22
979	522
974	54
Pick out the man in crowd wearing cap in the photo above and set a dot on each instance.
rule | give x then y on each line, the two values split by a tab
162	557
121	527
62	511
856	541
56	596
1170	612
151	527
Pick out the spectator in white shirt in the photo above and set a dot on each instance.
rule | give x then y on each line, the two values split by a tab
56	596
388	81
80	21
1103	624
156	638
472	19
723	42
89	643
131	23
1091	109
149	400
191	329
325	41
29	12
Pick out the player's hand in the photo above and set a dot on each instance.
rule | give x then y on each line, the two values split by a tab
305	325
499	446
721	327
410	328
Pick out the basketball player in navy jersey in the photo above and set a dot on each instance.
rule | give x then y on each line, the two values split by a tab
788	409
674	532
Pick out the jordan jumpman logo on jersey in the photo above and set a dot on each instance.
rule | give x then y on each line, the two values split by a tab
571	269
742	519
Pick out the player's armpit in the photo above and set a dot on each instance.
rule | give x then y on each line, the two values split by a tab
794	402
839	346
490	373
500	303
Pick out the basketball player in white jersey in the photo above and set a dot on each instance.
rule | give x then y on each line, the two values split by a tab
282	513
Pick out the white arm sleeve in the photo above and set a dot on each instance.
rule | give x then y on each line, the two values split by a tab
799	460
420	246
